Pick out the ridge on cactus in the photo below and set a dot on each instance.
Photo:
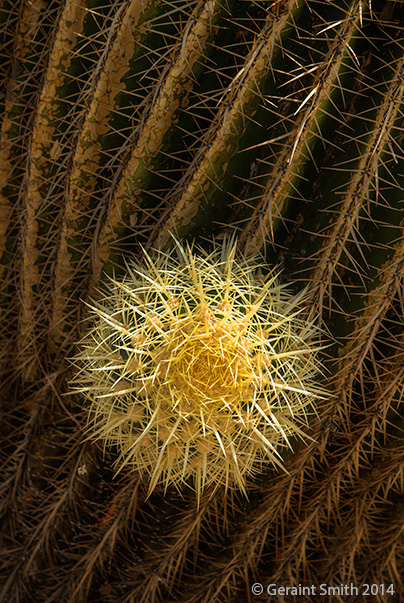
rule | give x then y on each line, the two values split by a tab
198	369
122	122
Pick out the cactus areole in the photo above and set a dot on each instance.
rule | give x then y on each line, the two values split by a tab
198	369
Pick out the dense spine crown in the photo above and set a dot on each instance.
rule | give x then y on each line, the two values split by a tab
198	368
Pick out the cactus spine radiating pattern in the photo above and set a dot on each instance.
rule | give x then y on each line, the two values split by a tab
125	125
197	371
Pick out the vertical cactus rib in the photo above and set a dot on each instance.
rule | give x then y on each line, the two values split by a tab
25	496
289	165
366	327
28	59
72	260
44	151
6	209
354	534
25	49
60	509
100	548
238	101
172	91
358	192
164	560
28	22
9	20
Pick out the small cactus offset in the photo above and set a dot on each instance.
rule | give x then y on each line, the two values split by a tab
201	268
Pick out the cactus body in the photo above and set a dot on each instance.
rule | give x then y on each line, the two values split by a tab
124	123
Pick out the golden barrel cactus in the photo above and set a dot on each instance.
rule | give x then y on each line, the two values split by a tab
197	369
127	125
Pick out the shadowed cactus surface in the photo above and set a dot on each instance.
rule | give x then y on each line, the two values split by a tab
125	123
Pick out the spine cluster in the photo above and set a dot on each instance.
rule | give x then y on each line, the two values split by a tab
196	369
122	122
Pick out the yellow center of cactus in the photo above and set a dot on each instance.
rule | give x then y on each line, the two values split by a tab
196	371
206	364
